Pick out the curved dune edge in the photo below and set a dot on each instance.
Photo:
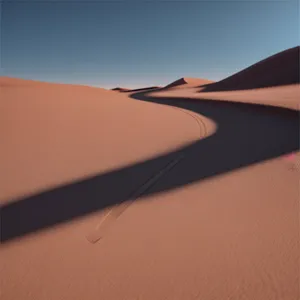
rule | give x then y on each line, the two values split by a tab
53	134
282	96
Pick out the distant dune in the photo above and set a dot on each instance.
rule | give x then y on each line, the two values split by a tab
188	81
146	88
119	89
276	70
217	219
124	90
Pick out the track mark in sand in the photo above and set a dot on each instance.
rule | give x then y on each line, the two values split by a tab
111	216
197	118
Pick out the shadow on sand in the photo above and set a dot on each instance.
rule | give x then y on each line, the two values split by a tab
246	134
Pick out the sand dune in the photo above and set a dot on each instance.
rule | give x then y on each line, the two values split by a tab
145	88
136	90
221	234
276	70
273	81
281	96
154	193
187	82
119	89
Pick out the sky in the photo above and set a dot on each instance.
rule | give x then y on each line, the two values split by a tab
141	43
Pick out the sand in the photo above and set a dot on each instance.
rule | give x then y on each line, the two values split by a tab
287	96
185	82
277	70
187	244
211	191
62	133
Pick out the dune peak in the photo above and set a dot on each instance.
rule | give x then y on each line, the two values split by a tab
188	81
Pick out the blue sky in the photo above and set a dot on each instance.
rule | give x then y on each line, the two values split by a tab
140	43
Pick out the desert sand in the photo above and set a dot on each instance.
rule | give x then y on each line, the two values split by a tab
70	132
155	193
273	81
281	96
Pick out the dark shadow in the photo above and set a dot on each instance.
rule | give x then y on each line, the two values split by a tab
246	134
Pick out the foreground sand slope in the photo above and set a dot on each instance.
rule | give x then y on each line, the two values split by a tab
234	236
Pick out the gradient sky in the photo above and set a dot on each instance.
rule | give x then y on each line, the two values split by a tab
139	43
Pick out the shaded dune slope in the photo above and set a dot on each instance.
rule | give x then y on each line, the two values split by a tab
276	70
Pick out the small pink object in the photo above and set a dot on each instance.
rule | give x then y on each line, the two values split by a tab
291	156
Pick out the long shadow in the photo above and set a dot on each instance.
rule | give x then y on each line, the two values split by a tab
246	134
